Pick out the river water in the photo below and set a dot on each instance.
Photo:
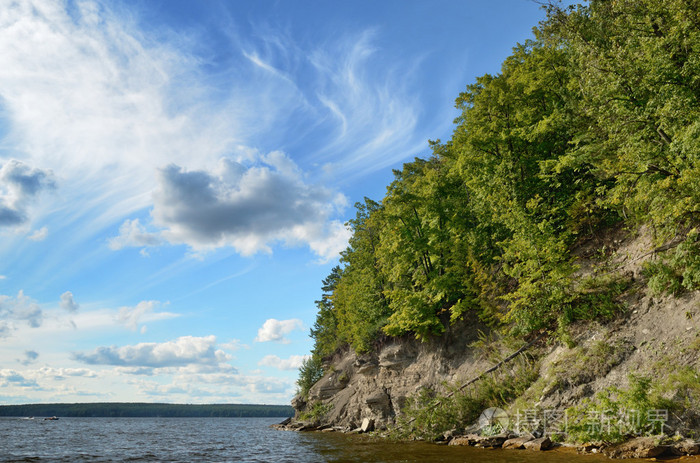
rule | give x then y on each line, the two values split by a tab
226	440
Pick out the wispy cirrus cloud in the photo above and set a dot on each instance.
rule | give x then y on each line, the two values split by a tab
364	109
131	120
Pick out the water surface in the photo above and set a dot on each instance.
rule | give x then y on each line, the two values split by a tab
226	440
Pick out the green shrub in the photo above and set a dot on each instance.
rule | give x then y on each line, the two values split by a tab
679	271
614	414
427	415
310	372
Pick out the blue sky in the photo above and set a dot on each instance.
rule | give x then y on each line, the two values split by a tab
175	176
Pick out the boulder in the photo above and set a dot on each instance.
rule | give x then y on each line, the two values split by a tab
491	441
518	442
378	398
640	447
469	439
480	441
543	443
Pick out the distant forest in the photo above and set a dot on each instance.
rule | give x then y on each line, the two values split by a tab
147	410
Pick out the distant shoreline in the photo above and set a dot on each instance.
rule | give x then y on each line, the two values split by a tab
147	410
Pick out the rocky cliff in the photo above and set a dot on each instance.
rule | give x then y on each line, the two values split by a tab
655	336
376	385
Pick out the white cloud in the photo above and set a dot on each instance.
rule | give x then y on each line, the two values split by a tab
68	303
39	235
291	363
246	205
61	373
90	96
106	105
3	277
361	98
143	312
19	185
184	351
275	330
20	308
132	233
12	378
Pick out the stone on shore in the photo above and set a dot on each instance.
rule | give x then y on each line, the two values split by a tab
543	443
480	441
640	447
367	425
518	442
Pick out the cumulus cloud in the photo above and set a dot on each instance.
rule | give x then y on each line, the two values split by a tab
30	356
132	233
143	312
19	185
14	378
291	363
20	308
184	351
275	330
68	303
246	205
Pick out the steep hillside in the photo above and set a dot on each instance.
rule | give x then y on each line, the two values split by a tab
403	379
563	214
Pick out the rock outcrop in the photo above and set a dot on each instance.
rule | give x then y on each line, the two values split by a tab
376	385
652	331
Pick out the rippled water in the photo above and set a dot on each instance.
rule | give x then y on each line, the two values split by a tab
224	440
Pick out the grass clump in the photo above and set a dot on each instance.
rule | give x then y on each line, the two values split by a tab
586	363
316	412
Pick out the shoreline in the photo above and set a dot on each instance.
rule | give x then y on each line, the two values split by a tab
649	447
